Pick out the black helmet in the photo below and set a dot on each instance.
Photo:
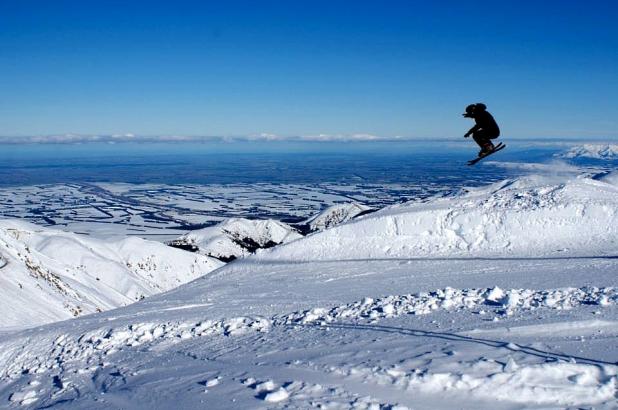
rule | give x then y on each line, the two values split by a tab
473	109
469	111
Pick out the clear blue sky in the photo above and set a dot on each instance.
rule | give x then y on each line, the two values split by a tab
544	68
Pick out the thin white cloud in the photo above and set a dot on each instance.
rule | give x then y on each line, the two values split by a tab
554	167
129	137
347	137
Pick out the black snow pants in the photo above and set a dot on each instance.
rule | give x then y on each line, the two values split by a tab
484	137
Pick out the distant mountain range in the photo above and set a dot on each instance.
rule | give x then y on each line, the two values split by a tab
596	151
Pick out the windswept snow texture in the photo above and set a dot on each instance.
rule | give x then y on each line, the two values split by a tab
48	275
237	237
336	215
596	151
530	216
336	320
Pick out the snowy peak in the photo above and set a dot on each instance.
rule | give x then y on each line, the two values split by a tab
596	151
236	238
50	275
532	216
336	215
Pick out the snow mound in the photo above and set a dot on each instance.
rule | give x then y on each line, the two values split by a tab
596	151
548	384
49	275
484	300
526	217
237	237
336	215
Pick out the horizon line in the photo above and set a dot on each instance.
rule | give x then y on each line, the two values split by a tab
263	137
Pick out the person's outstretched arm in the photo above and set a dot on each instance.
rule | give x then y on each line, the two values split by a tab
472	130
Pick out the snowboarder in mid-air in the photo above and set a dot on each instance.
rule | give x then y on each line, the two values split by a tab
484	130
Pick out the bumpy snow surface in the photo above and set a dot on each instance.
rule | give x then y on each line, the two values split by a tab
48	275
238	237
463	316
597	151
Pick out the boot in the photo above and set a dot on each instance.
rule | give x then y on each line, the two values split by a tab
487	148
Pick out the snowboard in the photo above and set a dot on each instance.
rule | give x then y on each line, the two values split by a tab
498	147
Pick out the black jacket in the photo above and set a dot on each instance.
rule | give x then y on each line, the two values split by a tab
485	122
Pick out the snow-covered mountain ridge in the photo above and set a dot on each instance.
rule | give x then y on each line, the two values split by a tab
49	275
239	237
335	215
596	151
236	237
530	216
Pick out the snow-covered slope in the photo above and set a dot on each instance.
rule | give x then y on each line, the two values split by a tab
350	324
596	151
237	237
336	215
50	275
531	216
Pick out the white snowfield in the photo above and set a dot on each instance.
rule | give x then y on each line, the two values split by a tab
234	237
336	215
532	216
458	322
596	151
48	275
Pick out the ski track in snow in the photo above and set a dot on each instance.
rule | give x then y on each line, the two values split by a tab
568	381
